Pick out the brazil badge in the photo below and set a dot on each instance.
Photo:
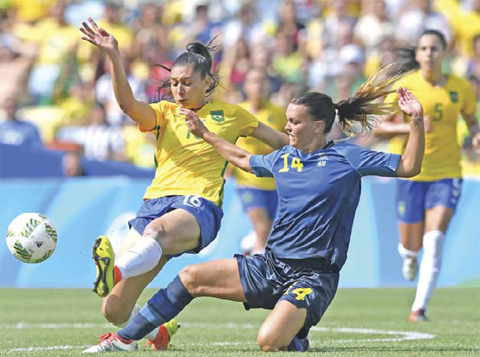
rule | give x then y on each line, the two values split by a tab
217	115
454	97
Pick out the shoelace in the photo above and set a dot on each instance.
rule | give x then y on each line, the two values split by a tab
106	336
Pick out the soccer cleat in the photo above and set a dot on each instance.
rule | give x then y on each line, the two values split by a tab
410	268
112	342
165	333
419	315
104	258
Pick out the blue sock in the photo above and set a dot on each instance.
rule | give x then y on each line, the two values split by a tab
162	307
298	345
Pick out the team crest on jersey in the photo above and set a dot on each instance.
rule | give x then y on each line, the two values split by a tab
217	115
454	97
322	160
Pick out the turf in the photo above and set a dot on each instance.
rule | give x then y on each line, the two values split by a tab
360	322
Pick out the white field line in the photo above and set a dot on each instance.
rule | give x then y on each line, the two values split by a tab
396	335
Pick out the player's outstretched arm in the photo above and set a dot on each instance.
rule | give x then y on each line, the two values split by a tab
411	161
271	137
231	152
139	111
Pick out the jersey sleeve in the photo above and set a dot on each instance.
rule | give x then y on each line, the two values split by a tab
470	105
372	163
247	122
262	165
159	109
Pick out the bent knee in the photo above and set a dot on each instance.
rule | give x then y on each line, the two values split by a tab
190	279
115	310
170	243
267	343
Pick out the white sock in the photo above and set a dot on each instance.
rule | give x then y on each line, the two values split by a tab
135	311
141	258
405	253
429	268
152	334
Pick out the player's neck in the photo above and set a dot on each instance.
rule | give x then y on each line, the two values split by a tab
435	78
255	104
315	145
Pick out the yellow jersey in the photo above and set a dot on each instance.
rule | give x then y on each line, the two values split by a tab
442	104
187	165
273	116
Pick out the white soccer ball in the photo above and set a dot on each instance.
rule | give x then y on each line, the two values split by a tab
31	238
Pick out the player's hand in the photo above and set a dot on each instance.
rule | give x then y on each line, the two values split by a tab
409	104
99	37
194	124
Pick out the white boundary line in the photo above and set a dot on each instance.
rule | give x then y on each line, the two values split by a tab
397	336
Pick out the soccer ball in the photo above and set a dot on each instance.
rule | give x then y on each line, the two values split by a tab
31	238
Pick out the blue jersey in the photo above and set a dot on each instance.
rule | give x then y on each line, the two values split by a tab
318	195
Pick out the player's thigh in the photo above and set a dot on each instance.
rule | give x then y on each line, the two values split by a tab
217	278
441	201
177	231
438	218
281	326
260	219
130	240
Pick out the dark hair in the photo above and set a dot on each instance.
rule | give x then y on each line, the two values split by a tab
406	55
358	108
198	56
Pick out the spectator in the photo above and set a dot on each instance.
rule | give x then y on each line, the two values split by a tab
100	140
58	40
467	27
105	95
16	59
17	132
373	27
72	164
412	23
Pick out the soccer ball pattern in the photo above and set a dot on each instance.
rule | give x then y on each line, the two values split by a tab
31	238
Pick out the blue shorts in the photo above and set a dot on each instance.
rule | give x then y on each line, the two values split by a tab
207	214
415	197
267	280
256	198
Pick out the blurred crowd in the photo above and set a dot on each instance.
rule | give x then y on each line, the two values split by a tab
56	90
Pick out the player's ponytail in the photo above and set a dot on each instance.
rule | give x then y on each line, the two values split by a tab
358	109
199	56
365	104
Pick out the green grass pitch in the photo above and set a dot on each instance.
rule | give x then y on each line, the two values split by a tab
360	322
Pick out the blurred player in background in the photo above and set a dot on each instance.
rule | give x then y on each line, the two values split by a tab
318	184
182	207
426	202
258	195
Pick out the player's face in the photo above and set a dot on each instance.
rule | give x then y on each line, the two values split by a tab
430	53
188	87
255	84
301	128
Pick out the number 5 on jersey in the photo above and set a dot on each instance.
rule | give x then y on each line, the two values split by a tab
296	164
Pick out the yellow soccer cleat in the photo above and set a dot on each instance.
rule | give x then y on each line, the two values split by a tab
104	258
165	333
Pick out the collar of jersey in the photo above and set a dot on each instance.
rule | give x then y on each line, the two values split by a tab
300	153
